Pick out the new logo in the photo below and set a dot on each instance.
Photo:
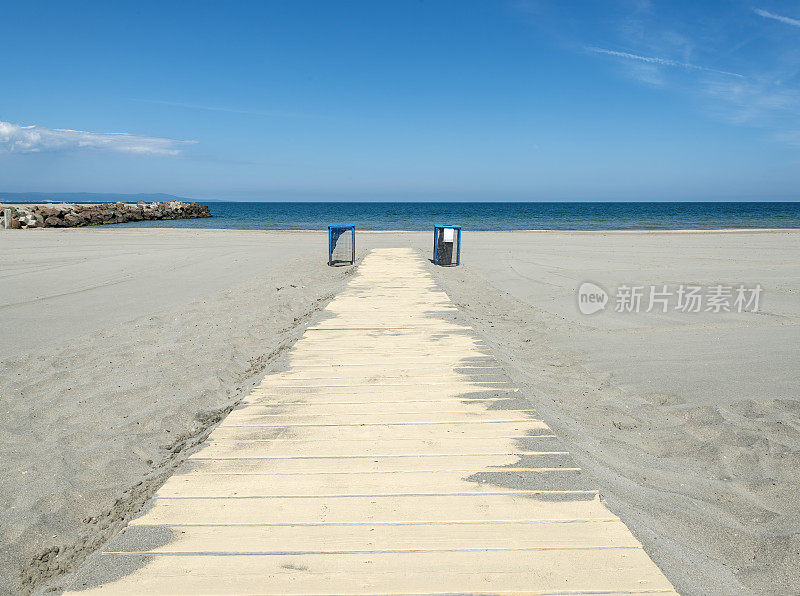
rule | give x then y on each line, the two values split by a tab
591	298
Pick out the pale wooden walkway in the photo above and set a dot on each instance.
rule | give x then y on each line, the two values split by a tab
392	457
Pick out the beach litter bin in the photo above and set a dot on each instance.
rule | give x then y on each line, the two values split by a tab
447	245
341	245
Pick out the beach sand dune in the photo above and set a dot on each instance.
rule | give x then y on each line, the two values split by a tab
122	348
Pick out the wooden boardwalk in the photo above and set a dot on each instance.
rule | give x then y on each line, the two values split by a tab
392	457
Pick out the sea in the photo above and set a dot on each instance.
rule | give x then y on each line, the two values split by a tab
492	216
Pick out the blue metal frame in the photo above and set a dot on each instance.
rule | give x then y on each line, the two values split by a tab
353	243
458	253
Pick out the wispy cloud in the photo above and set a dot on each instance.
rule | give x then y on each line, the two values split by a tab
791	137
755	102
15	138
661	61
229	110
758	85
776	17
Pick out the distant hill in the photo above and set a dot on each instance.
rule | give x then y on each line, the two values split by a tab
84	197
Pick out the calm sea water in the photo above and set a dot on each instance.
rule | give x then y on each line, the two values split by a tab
493	216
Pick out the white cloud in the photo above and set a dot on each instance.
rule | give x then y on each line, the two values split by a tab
34	139
777	17
754	101
792	137
660	61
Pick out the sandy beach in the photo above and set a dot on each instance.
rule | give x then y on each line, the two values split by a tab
689	422
121	348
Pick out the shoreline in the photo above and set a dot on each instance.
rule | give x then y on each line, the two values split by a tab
471	231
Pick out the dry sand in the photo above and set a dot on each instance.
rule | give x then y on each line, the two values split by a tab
689	423
123	347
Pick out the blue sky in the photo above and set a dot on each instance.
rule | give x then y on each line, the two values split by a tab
489	100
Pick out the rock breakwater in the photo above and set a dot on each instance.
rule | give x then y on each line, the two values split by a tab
70	215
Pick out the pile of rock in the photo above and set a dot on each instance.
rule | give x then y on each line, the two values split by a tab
70	215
